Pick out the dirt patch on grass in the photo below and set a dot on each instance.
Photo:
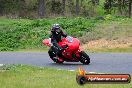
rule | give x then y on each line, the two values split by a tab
107	44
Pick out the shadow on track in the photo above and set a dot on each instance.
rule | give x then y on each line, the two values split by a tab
67	64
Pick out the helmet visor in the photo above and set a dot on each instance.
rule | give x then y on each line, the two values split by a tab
56	28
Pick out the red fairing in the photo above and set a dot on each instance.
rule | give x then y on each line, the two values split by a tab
46	42
70	51
72	46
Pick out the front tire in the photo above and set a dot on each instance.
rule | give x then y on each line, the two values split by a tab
84	58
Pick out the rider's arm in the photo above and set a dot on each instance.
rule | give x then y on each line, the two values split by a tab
54	42
63	34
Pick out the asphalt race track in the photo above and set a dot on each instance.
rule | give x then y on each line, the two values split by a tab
100	62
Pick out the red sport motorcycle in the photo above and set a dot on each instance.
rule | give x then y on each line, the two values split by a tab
72	52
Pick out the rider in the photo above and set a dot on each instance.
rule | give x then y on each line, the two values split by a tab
55	37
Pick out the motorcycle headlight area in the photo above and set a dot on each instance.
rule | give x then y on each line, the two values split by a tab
69	39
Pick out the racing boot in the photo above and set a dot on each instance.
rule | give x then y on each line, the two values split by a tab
55	59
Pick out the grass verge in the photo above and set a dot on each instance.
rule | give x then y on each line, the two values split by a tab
23	76
32	50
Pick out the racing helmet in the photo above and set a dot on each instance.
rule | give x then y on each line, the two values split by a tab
56	27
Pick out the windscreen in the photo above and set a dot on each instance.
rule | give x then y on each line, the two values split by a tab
69	39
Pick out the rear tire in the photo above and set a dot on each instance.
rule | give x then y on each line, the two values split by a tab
84	58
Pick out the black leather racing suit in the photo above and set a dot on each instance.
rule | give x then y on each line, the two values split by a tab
55	38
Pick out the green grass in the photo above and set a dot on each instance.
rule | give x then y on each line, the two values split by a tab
113	28
25	34
23	76
33	50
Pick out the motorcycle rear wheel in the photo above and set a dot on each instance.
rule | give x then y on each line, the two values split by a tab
84	58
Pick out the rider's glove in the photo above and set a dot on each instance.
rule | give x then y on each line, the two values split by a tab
65	47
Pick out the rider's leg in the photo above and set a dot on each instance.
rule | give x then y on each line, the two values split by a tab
58	51
52	55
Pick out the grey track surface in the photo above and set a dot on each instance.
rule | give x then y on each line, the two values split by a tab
100	62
